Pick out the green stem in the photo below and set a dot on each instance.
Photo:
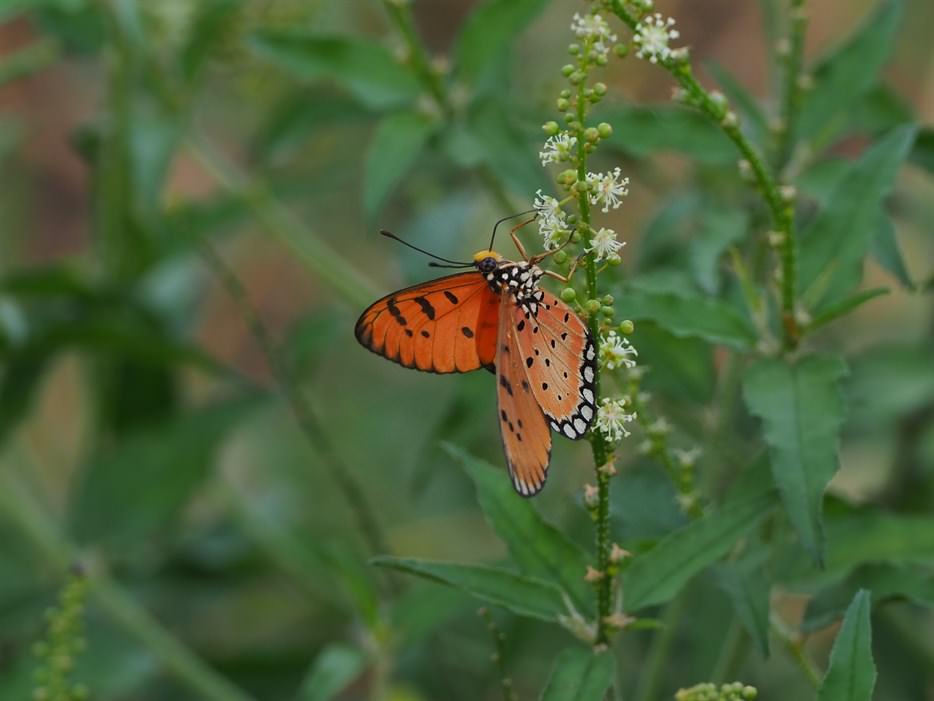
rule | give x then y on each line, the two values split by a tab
656	663
780	209
734	649
36	526
319	257
499	655
305	416
794	645
791	88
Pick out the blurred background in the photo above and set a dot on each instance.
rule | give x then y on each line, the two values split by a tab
188	211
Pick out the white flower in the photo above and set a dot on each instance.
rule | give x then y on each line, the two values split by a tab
615	352
612	418
652	35
604	244
552	221
558	148
595	29
608	188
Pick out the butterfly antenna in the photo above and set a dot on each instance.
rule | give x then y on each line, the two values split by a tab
505	219
454	263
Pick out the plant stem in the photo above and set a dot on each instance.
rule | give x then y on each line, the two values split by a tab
655	665
179	660
301	409
780	208
735	646
791	88
795	647
499	655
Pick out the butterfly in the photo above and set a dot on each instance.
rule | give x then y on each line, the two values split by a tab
497	317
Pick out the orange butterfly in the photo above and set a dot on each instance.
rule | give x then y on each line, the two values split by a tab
497	317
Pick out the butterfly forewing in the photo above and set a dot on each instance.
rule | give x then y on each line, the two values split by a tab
559	358
445	325
523	426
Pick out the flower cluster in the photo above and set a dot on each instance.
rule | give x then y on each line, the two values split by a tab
653	35
608	188
617	352
595	31
559	147
612	417
603	244
552	221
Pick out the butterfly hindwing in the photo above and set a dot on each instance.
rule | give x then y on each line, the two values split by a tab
524	429
444	325
560	361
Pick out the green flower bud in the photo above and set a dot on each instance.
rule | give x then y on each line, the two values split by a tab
568	294
574	49
592	305
621	50
592	135
560	257
626	327
565	93
608	299
563	104
613	260
604	129
601	60
607	311
550	128
576	237
576	78
567	69
599	89
566	177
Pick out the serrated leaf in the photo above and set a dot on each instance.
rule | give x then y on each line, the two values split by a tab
801	412
643	131
659	574
394	149
834	244
890	381
886	251
335	667
886	581
488	32
522	595
848	73
700	317
851	675
114	501
580	674
538	548
844	307
364	68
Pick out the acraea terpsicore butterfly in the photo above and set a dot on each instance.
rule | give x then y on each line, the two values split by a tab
497	317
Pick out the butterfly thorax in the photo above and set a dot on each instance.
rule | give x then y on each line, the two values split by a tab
520	280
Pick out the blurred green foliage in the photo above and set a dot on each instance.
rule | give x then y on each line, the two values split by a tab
187	212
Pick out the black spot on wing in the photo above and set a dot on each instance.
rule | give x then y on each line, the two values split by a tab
506	385
427	309
396	314
452	298
466	330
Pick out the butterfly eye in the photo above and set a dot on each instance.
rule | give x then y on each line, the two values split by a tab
487	265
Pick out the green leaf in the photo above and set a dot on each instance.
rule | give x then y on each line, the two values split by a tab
538	548
922	154
851	675
848	73
643	131
747	584
844	307
115	501
890	381
335	667
719	229
886	582
700	317
659	574
488	33
364	68
522	595
834	244
689	364
580	674
801	412
887	253
211	25
396	146
504	147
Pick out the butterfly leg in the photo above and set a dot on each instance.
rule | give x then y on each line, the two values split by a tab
515	238
566	278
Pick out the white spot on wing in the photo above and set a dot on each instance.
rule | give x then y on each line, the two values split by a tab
588	373
587	394
569	431
586	412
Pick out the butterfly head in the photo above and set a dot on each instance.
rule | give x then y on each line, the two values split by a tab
487	261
